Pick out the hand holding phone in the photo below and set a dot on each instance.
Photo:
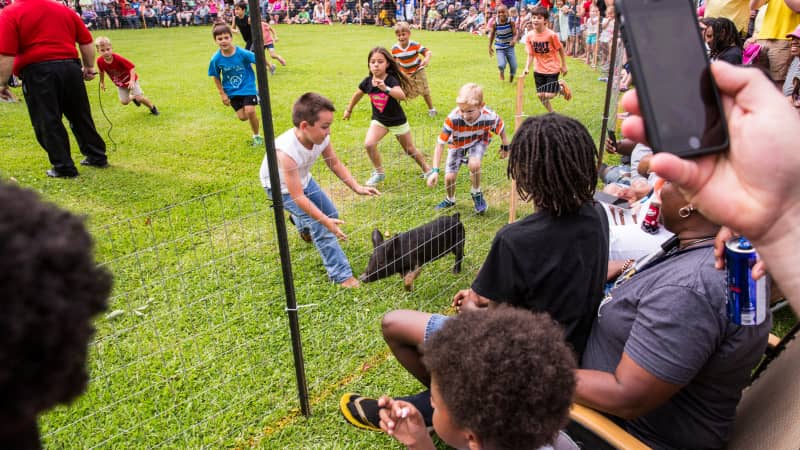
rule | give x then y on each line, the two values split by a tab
677	95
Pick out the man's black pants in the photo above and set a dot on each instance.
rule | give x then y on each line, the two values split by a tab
53	89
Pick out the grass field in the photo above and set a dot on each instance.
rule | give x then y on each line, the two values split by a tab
199	355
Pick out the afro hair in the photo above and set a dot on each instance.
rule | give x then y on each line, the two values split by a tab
505	373
50	287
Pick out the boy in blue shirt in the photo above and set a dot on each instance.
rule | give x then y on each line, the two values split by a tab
231	67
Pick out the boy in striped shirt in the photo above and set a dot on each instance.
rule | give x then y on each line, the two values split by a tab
412	58
467	132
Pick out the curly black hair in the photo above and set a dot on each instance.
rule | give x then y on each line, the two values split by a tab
725	35
505	373
554	162
50	287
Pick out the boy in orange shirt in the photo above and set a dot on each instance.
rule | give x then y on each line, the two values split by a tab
412	58
544	47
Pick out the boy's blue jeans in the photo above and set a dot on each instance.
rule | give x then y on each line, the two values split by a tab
333	258
504	56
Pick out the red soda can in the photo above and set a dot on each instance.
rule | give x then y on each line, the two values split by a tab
650	223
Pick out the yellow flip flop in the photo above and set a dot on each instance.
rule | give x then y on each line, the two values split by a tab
361	412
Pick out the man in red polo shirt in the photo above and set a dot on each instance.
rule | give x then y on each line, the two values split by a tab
38	44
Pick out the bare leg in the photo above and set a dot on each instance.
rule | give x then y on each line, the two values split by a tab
545	98
450	184
404	332
407	142
475	172
374	135
274	55
428	100
249	113
144	100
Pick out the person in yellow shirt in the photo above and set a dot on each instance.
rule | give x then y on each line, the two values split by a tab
780	19
738	11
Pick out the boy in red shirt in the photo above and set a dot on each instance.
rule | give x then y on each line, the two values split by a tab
123	74
543	46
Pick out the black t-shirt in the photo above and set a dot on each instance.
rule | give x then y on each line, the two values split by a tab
243	25
454	18
731	55
553	264
385	108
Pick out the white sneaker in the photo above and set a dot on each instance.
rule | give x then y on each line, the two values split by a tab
375	179
432	112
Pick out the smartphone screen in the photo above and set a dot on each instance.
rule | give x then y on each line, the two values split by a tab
613	138
677	95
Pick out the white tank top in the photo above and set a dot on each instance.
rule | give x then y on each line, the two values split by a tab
288	144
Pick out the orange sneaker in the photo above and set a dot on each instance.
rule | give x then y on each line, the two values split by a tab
564	90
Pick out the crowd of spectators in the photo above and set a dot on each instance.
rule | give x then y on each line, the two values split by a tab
475	16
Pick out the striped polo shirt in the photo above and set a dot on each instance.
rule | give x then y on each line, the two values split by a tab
409	58
458	134
503	35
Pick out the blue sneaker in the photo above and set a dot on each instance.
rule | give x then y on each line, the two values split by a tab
375	179
444	205
480	203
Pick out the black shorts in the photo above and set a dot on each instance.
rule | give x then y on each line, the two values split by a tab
546	82
239	101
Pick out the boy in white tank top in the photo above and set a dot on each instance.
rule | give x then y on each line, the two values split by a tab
311	210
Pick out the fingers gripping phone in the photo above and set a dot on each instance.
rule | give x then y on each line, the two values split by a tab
613	138
678	99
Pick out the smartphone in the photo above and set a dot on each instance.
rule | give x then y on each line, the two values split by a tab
678	99
613	138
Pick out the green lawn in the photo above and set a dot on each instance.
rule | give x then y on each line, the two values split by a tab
200	355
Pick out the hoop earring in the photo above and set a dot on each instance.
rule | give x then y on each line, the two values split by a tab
686	211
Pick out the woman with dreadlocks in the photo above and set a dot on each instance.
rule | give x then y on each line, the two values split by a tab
554	260
724	41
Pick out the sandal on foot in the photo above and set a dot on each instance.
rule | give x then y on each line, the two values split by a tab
361	412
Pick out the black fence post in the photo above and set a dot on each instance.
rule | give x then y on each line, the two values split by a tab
611	83
277	204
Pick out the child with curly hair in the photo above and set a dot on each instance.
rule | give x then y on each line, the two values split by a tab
502	348
50	287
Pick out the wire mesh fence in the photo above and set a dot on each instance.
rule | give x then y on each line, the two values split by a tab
194	351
